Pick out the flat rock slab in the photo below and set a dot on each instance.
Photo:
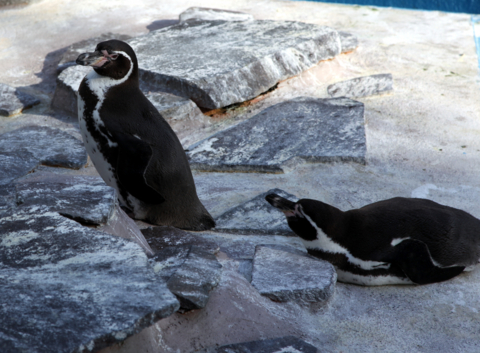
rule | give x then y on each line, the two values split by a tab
88	45
285	276
14	165
68	288
288	344
275	140
362	86
163	237
13	101
209	14
349	41
256	216
85	199
49	146
218	63
191	273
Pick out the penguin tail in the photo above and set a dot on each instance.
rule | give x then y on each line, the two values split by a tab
281	203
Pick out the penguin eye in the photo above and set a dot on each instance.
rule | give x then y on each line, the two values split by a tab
113	56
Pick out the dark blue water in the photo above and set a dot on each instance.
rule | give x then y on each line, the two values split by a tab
465	6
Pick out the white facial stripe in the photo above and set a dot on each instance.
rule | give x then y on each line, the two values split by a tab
324	243
99	85
397	241
348	277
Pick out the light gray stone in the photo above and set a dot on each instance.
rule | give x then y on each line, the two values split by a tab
195	278
69	288
163	237
84	199
65	97
362	86
256	216
168	260
249	57
287	344
209	14
49	146
245	268
14	165
291	276
88	45
349	42
13	101
277	139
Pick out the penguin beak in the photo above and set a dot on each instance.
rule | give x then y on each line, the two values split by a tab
286	206
95	59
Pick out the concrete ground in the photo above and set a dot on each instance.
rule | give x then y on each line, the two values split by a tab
423	140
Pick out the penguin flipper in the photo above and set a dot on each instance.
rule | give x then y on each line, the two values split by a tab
414	258
133	158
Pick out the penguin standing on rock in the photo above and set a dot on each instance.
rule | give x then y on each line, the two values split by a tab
132	147
395	241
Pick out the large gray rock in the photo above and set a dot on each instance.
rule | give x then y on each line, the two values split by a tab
65	97
13	101
362	86
288	344
191	273
49	146
275	140
256	216
70	288
209	14
349	42
284	275
218	63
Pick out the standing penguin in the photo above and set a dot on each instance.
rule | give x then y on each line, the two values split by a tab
395	241
132	147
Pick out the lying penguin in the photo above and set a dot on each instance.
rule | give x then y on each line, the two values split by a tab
395	241
132	147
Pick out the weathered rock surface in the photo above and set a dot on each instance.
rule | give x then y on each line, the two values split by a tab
84	199
163	237
288	344
292	276
349	41
65	96
85	46
209	14
191	273
275	140
13	101
250	57
49	146
256	216
362	86
70	288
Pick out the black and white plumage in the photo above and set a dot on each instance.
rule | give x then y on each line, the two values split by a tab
132	147
395	241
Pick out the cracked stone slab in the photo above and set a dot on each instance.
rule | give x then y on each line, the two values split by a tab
256	216
349	41
163	237
49	146
87	45
303	129
287	344
191	273
13	101
285	276
85	199
209	14
70	288
362	86
250	57
14	165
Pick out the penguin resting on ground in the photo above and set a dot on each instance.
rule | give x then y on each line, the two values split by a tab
132	147
395	241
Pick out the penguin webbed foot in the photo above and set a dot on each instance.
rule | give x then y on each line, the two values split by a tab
414	258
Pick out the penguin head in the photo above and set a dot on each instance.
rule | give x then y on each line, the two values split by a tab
113	58
295	214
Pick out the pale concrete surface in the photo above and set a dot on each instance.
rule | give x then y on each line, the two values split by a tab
423	140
